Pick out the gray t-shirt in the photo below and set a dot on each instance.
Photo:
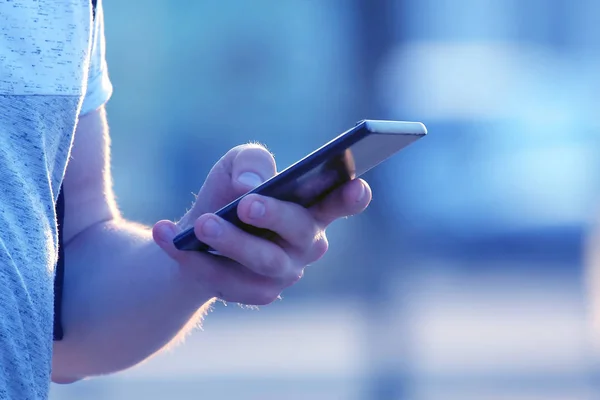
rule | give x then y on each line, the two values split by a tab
52	70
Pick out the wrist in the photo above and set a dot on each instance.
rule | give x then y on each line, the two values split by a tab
187	278
188	267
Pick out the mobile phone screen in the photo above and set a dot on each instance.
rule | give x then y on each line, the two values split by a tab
315	183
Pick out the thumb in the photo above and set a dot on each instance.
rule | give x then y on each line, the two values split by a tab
237	172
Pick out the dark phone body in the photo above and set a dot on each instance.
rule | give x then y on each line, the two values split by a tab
309	180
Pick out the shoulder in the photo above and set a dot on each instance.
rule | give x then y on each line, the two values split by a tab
44	46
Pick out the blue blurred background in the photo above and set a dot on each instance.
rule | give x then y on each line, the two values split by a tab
466	277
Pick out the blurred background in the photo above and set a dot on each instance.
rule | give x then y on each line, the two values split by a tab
466	279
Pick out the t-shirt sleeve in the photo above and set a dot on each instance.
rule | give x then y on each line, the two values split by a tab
99	88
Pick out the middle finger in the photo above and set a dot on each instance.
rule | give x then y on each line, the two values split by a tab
294	223
259	255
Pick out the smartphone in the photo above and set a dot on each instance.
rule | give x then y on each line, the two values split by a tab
311	179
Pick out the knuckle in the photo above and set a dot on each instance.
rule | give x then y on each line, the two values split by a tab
274	214
242	148
293	278
229	157
320	246
310	236
300	226
198	227
266	296
274	263
255	153
259	148
218	233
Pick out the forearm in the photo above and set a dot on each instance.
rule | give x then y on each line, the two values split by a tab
124	299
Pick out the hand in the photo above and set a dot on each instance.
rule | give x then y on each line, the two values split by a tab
254	271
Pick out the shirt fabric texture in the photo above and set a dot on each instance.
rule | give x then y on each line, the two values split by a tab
52	71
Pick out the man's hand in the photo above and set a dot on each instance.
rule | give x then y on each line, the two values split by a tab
253	270
128	293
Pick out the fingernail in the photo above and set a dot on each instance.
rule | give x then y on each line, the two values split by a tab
211	228
167	232
250	179
361	192
257	209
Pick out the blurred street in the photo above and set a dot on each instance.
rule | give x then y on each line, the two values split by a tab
467	339
465	279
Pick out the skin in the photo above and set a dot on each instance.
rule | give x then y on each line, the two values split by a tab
129	293
592	281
